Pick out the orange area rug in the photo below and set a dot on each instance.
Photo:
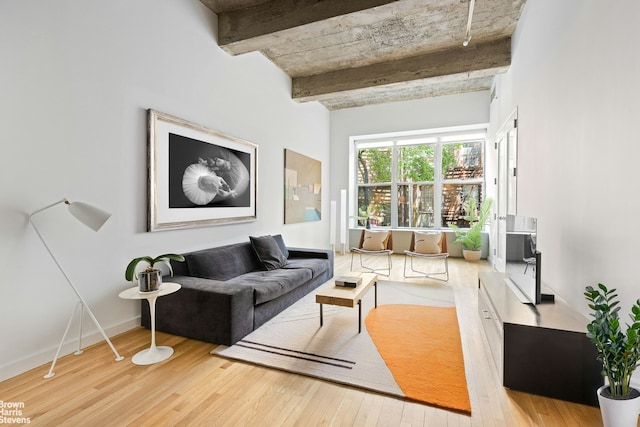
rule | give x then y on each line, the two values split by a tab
421	347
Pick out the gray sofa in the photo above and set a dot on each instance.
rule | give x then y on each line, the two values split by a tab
231	290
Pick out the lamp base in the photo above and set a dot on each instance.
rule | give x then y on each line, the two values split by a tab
83	306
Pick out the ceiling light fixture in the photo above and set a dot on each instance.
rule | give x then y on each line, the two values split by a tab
467	37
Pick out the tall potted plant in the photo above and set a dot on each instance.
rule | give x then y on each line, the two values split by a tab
471	239
619	352
150	279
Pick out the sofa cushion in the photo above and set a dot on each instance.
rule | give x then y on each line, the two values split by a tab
224	262
316	265
269	285
268	251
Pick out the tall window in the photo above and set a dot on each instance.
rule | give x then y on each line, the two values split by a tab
419	181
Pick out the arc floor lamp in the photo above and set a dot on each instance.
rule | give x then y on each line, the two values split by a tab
93	218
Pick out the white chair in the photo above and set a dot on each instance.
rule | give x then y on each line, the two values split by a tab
427	245
374	243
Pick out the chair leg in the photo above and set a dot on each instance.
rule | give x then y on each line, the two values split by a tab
404	269
446	268
424	274
375	270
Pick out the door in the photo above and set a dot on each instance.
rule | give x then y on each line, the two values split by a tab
507	140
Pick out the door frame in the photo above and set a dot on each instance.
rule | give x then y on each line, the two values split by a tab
507	184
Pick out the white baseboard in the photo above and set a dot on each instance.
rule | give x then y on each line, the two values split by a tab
46	356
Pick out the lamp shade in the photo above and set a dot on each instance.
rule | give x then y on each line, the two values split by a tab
92	217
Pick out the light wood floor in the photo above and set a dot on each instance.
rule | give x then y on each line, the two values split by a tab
195	388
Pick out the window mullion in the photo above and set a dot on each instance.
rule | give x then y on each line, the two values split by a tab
437	190
394	185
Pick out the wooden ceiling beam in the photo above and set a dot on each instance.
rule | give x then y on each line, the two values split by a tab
249	29
479	60
417	89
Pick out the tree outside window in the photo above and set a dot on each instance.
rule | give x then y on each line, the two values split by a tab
374	184
419	182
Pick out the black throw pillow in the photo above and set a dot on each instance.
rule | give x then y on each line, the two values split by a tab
283	247
268	251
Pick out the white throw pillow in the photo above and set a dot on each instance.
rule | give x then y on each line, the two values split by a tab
375	240
427	243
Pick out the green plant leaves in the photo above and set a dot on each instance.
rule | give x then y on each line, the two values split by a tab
619	352
472	238
161	259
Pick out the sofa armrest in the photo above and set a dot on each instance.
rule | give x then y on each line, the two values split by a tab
313	253
310	253
204	309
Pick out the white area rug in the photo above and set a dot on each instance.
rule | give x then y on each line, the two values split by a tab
294	341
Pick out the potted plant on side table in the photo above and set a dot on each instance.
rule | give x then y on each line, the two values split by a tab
619	352
150	279
471	239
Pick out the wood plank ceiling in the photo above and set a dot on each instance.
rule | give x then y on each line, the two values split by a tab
351	53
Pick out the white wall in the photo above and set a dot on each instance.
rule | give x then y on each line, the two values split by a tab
76	80
574	79
430	113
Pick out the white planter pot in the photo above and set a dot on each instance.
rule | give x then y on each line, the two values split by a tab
618	413
470	255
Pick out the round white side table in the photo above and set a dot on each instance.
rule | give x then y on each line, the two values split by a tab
153	354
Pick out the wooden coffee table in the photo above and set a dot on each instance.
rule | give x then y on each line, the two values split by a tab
348	297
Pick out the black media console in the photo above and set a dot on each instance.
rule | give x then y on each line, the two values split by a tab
540	349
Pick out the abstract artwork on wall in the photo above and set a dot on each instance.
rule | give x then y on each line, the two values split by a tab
302	188
198	177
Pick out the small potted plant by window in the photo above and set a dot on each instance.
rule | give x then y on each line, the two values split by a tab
619	352
367	215
471	239
150	279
